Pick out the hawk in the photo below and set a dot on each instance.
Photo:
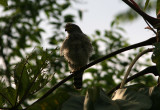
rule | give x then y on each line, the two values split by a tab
76	49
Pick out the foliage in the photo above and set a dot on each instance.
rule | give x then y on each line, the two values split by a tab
4	2
130	15
30	75
156	57
158	7
135	97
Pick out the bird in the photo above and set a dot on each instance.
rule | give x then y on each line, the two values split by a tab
76	49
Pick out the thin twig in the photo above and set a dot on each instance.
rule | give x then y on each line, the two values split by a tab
131	65
150	26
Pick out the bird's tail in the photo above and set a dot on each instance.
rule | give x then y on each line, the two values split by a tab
78	80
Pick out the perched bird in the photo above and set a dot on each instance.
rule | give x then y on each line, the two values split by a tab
76	49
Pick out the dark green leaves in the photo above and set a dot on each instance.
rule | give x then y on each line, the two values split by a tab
80	13
156	56
158	7
68	18
31	75
98	32
4	2
96	99
56	101
146	4
74	102
65	5
135	97
155	97
7	95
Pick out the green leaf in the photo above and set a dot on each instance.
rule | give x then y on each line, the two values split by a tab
158	7
29	74
155	97
146	4
98	32
4	100
133	98
56	101
35	38
74	103
11	93
8	95
4	3
69	18
80	13
40	77
96	99
21	78
65	5
156	56
92	70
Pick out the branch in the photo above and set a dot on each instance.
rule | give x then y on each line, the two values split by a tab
153	21
144	43
151	69
132	64
150	27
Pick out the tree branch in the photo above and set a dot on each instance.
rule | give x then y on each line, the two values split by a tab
153	21
132	64
144	43
151	69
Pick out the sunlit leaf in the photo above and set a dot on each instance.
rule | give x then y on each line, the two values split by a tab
133	98
146	4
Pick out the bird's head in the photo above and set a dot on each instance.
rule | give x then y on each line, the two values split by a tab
70	28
